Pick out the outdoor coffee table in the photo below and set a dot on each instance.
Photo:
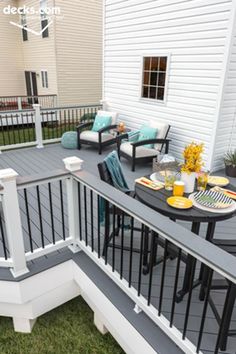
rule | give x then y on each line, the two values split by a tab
157	201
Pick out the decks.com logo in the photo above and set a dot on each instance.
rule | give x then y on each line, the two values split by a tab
29	15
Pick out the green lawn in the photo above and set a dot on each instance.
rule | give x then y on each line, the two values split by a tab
68	329
17	136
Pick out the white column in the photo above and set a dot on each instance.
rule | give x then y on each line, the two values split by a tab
23	325
99	323
73	164
19	103
11	212
38	126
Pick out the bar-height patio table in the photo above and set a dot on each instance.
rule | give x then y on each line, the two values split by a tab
157	201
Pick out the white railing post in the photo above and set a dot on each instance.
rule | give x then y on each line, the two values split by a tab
19	103
12	218
105	105
38	126
73	164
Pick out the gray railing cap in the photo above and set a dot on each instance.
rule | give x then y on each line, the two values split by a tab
208	253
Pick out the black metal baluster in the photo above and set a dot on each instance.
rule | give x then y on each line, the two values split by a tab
175	287
122	245
131	250
80	214
151	267
140	261
98	225
91	219
51	212
28	220
225	315
62	211
3	133
107	228
192	272
3	238
23	128
207	294
113	236
163	277
40	216
69	121
12	129
85	216
18	128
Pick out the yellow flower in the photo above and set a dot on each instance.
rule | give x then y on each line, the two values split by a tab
192	155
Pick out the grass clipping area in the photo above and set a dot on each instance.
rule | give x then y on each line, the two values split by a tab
68	329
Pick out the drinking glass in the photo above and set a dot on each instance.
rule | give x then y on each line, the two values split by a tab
170	178
202	179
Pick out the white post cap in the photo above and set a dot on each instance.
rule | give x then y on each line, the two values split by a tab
73	163
7	174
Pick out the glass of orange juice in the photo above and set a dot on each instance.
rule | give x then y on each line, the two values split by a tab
178	190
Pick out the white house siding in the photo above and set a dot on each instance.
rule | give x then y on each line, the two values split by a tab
226	134
194	34
11	58
39	53
79	51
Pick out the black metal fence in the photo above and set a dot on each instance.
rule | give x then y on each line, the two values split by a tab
12	103
44	214
147	253
59	120
17	127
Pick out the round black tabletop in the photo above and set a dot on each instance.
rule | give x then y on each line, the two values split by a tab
157	201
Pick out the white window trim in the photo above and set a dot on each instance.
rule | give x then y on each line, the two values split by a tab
43	78
152	100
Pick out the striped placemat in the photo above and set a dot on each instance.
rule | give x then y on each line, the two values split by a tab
212	199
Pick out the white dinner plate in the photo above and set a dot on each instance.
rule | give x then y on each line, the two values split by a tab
230	209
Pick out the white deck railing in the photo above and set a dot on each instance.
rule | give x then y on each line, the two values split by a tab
39	126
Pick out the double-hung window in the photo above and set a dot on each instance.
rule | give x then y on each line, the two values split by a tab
24	24
154	77
44	18
44	77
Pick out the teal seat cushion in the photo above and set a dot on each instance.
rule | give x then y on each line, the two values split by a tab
147	132
101	122
69	140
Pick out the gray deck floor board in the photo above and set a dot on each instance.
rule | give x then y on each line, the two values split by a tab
33	161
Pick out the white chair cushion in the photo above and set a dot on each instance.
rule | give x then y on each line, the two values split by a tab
162	129
141	151
113	115
89	135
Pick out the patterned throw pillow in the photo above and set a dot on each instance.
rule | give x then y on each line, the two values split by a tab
147	132
101	122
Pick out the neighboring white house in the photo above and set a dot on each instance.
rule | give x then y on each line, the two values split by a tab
66	59
190	80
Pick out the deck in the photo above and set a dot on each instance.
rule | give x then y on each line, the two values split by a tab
32	161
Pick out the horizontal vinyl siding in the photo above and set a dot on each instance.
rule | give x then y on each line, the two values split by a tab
79	51
226	135
11	59
194	34
39	53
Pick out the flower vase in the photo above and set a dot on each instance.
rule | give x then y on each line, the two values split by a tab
189	181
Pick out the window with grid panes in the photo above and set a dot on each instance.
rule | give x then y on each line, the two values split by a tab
154	77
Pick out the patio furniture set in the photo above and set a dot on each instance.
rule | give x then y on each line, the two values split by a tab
138	146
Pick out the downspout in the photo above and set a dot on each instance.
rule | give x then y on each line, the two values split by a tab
224	71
